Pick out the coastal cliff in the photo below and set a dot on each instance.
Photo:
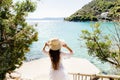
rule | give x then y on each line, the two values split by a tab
97	10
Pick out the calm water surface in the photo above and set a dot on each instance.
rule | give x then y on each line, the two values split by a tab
69	32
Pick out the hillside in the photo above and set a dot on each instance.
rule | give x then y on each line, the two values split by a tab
97	10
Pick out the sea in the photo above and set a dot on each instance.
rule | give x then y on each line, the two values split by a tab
69	32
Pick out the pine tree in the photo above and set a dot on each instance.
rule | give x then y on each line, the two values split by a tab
16	35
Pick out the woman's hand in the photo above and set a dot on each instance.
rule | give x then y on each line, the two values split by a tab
64	45
46	44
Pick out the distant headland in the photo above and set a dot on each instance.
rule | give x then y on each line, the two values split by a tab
97	10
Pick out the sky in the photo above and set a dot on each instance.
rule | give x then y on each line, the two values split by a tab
57	8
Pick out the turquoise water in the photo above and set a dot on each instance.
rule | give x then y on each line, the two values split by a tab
69	32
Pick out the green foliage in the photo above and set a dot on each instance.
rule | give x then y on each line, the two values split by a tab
103	46
115	13
16	35
93	10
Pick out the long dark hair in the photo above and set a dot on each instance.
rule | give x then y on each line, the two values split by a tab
55	58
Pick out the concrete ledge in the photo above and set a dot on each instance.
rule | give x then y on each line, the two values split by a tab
39	69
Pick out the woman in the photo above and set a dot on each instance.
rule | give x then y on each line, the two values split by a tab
57	71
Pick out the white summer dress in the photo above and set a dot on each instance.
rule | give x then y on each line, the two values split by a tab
61	73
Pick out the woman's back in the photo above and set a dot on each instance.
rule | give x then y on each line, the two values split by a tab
60	73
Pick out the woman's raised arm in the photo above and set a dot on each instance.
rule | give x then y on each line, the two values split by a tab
44	48
67	47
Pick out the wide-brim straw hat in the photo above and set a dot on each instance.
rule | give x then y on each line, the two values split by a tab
55	44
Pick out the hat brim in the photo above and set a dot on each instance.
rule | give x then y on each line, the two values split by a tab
55	44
